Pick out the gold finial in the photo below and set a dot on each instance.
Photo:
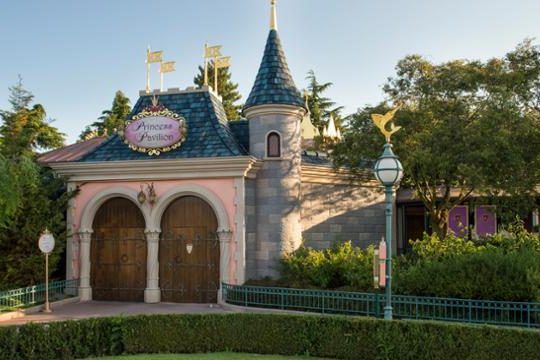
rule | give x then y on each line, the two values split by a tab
155	100
273	16
381	121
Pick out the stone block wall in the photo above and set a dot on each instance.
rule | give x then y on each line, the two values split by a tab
340	212
251	229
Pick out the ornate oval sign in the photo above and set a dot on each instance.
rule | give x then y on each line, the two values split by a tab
46	242
155	130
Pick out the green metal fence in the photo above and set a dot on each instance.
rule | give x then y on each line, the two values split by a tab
34	295
372	304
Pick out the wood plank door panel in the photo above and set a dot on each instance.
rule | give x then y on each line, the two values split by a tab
118	252
189	277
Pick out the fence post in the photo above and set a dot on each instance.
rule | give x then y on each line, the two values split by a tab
245	297
470	311
281	299
528	315
377	310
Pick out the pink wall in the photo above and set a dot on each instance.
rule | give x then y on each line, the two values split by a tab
223	188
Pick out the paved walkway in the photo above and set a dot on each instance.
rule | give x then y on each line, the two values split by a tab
92	309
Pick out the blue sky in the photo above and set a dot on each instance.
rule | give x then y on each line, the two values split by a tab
73	55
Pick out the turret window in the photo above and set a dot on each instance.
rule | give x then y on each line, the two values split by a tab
273	145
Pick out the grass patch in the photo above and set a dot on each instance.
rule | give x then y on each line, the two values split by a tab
206	356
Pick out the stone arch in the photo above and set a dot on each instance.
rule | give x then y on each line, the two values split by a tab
92	207
195	190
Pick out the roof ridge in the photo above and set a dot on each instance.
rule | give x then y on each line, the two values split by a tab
224	127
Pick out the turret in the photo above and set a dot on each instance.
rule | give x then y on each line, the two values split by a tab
275	109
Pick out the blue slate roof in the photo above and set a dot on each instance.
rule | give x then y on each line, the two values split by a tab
208	132
240	129
274	83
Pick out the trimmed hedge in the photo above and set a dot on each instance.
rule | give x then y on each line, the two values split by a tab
323	336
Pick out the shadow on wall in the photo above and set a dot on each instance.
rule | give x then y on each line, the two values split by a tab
337	212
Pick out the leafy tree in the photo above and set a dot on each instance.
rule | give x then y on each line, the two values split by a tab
321	107
227	89
24	129
469	128
42	203
32	197
110	120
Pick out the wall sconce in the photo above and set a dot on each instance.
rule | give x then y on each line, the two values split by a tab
152	196
141	197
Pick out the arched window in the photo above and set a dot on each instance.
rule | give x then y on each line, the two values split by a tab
273	145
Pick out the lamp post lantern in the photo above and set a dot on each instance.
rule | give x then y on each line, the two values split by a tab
389	171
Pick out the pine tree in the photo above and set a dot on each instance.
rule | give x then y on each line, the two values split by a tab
27	128
110	120
321	107
33	197
226	89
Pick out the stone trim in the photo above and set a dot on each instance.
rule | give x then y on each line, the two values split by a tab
274	109
156	169
327	175
91	208
152	293
224	237
189	189
85	291
240	236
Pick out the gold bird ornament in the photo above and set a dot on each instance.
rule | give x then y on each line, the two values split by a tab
381	121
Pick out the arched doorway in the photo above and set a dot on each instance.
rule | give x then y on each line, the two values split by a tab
118	252
189	252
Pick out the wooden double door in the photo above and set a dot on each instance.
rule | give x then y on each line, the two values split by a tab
118	252
189	252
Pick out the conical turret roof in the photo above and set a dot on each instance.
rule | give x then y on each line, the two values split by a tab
274	83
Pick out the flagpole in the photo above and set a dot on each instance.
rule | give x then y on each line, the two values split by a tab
148	70
215	75
161	77
205	65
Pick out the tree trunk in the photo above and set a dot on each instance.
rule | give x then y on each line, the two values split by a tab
439	222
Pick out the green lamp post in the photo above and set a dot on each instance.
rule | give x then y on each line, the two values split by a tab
389	171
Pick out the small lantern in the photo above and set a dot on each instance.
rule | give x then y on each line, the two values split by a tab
388	169
141	197
152	196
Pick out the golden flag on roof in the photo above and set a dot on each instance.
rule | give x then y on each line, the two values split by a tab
167	66
223	62
212	51
154	56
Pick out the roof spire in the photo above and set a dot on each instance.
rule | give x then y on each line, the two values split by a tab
273	16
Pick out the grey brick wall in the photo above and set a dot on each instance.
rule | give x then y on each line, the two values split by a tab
333	213
277	193
251	229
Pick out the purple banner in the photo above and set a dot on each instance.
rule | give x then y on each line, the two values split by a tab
458	220
485	220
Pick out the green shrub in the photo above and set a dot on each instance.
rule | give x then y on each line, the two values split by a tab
324	336
430	247
490	274
337	267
